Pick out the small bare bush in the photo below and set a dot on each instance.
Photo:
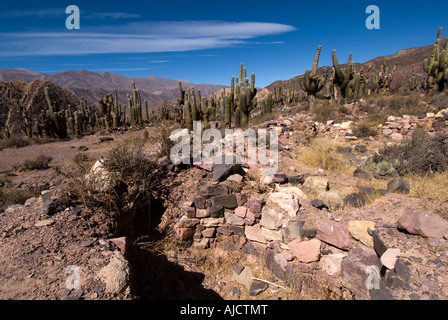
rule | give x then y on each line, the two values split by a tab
40	162
422	154
364	130
14	142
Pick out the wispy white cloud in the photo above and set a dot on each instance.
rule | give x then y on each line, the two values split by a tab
43	13
146	37
58	12
158	61
110	15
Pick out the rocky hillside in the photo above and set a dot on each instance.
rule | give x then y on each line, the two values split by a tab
31	96
408	60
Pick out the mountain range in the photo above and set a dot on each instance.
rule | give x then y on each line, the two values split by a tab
93	86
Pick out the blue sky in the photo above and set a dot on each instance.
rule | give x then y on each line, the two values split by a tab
205	41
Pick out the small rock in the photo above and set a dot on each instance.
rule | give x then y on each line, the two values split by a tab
389	258
299	178
271	235
294	229
331	263
257	288
225	230
345	125
319	204
44	223
244	277
361	174
270	219
116	274
378	244
241	212
254	233
332	199
333	233
87	243
305	251
227	201
184	234
398	186
361	148
202	213
358	230
356	200
120	243
213	190
185	222
216	211
209	232
233	219
200	202
317	184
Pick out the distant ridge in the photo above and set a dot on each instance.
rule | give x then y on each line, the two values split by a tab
93	86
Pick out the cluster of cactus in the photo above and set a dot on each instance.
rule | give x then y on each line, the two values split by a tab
436	66
114	114
282	95
242	100
54	123
342	78
348	83
313	84
82	120
135	107
193	107
55	117
236	105
382	80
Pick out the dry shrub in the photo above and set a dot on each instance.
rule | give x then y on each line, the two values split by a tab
40	162
135	182
11	195
14	142
322	153
364	130
422	154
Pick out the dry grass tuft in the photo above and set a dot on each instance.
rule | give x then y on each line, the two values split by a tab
322	153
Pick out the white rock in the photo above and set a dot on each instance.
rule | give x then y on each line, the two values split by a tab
389	258
116	274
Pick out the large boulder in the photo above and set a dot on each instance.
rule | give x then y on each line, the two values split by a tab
427	224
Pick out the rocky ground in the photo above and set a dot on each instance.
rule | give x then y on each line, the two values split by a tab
233	233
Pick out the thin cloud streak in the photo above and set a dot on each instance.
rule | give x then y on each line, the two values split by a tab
139	38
